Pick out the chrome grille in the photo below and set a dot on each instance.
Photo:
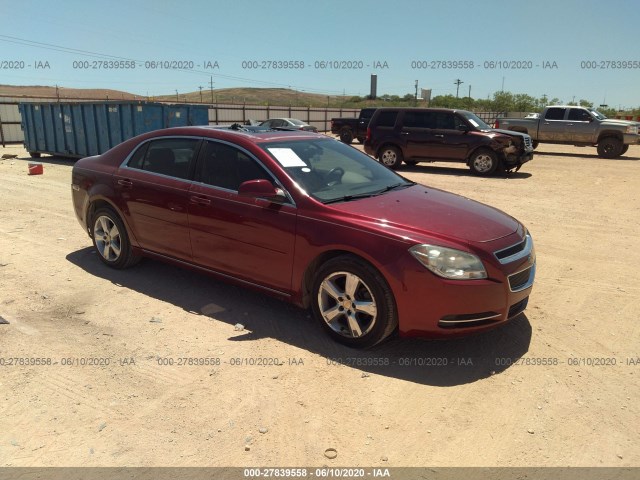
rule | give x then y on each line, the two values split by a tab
528	144
521	280
515	252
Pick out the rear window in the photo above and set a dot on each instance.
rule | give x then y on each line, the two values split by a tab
555	114
418	119
387	118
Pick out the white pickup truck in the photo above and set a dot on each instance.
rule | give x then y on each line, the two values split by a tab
572	125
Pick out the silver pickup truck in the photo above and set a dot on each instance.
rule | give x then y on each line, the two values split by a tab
571	125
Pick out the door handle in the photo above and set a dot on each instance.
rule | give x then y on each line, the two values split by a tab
125	183
404	133
439	136
200	201
569	124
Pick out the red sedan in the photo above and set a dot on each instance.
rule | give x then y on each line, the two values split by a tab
310	220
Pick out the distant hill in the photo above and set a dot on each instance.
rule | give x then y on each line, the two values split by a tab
67	93
254	96
250	96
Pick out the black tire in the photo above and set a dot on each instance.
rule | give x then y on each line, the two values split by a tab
361	140
610	147
113	246
390	156
364	329
483	162
346	136
624	149
411	162
34	154
535	144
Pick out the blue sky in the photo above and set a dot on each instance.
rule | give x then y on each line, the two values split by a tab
231	32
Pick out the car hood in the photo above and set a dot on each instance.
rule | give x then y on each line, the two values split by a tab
510	133
622	123
425	211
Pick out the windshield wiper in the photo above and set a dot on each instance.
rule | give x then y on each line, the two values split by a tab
393	187
346	198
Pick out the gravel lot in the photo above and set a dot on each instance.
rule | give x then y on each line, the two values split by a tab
557	387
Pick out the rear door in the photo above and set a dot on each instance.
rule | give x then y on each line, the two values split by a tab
154	187
553	127
417	134
246	238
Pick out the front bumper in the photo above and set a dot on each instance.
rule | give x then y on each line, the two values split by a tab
514	160
429	306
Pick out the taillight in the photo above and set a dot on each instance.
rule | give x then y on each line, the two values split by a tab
368	135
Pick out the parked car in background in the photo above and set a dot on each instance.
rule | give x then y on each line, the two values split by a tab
573	125
288	123
350	128
416	135
312	221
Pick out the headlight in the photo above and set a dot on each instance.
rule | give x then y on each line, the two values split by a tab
449	262
632	129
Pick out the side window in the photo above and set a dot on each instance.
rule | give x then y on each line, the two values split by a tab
137	158
445	121
555	114
417	119
227	167
579	115
387	118
170	156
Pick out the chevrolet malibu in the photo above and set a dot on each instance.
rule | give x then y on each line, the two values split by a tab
312	221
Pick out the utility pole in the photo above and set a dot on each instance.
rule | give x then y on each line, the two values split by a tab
200	94
211	88
502	89
416	95
457	83
469	95
177	99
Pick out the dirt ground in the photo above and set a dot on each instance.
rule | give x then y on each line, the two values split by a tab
557	387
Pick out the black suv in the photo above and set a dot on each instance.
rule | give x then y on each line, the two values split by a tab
417	135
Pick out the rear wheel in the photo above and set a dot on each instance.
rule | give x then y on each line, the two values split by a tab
535	144
34	154
361	140
346	136
353	302
610	147
411	162
111	241
390	156
483	162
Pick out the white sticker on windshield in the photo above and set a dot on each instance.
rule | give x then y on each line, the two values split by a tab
287	157
473	122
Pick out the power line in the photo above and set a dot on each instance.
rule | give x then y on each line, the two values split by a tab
60	48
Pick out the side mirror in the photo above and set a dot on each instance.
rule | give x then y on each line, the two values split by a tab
261	189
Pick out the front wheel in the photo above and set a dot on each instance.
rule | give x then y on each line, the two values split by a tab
111	241
610	147
535	144
353	302
390	156
624	149
483	162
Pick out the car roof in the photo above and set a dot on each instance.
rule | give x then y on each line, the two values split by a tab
428	109
215	131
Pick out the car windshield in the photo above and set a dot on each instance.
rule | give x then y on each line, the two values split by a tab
475	121
331	171
296	122
598	115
